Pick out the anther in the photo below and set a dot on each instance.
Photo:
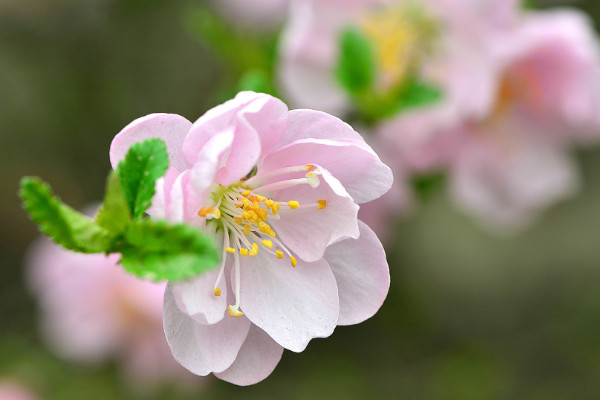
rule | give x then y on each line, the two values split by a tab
246	229
234	311
321	204
230	250
246	193
293	204
294	262
217	291
254	250
244	252
267	243
279	254
313	179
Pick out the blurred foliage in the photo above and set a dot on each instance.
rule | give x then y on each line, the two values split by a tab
469	316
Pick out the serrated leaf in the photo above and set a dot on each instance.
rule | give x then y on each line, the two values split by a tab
65	226
144	163
158	251
114	214
356	66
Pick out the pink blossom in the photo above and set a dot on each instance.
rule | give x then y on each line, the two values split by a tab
14	391
279	190
510	159
255	15
310	44
92	310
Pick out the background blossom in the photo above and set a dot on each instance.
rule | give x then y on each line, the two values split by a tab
92	310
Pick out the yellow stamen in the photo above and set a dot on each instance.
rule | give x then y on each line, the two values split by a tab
279	254
202	212
294	262
238	220
234	312
309	167
230	250
217	291
246	229
246	193
267	243
322	204
244	252
275	208
293	204
260	198
254	250
271	233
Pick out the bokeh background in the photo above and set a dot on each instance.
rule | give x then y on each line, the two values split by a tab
469	315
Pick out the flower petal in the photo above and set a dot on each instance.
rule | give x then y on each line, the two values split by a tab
171	128
362	274
312	124
292	305
202	349
308	231
507	189
314	137
256	360
195	298
257	121
361	172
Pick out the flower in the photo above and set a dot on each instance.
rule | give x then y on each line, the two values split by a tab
259	15
14	391
410	38
279	191
92	310
510	160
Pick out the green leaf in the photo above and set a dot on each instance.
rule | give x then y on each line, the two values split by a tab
62	224
419	94
356	66
144	163
114	214
257	81
158	251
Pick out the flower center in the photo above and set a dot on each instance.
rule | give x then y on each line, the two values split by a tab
244	210
402	35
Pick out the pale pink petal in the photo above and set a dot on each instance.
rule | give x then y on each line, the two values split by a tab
292	305
202	175
171	128
185	201
256	121
362	275
203	349
361	172
308	231
256	360
312	124
195	297
162	197
308	54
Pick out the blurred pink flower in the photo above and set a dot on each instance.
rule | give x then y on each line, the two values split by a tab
278	189
253	15
402	32
13	391
93	310
510	159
